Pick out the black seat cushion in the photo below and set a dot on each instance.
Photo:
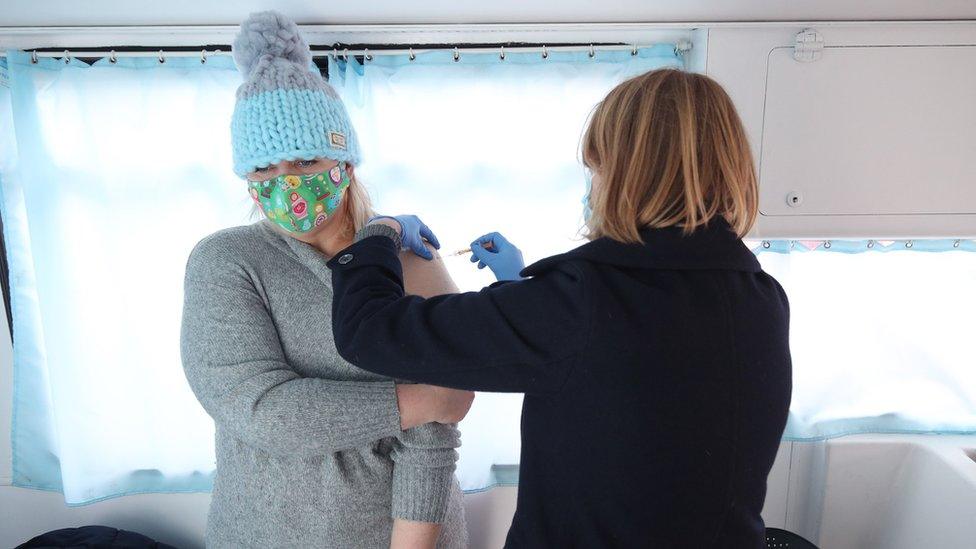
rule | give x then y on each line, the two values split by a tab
93	537
777	538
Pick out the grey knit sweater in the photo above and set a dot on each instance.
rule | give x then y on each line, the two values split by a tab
309	447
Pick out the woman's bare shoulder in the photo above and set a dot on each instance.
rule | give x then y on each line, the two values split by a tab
426	278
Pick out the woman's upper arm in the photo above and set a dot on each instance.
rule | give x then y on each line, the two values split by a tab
426	278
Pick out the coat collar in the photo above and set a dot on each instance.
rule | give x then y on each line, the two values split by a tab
713	247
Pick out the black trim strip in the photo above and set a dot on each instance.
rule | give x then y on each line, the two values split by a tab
5	280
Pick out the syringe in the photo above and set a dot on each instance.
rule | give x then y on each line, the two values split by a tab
486	245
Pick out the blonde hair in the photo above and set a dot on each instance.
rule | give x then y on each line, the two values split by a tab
358	205
671	151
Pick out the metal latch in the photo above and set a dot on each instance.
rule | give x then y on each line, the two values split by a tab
809	46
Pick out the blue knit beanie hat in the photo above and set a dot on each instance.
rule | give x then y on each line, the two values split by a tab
285	110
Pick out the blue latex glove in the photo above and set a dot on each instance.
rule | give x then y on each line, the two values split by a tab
502	257
414	232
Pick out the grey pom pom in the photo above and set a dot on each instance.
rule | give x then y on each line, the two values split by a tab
268	33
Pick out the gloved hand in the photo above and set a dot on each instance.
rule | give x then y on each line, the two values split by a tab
502	257
413	231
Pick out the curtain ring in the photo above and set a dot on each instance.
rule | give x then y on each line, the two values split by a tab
545	53
955	244
203	56
502	54
34	57
368	56
766	244
345	55
67	57
412	56
633	50
112	58
827	244
909	244
457	54
592	53
335	54
161	58
870	244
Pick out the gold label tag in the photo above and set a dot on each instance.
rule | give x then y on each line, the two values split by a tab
337	140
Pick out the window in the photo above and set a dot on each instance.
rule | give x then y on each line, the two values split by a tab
116	170
880	333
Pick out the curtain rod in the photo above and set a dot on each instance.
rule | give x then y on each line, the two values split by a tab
469	27
439	34
679	48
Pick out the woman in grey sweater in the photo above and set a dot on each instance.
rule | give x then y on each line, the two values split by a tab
311	451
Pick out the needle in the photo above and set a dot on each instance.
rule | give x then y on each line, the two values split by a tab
486	245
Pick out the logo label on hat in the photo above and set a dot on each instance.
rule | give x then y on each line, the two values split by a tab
337	140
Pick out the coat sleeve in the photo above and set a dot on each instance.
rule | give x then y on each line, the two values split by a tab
516	337
234	363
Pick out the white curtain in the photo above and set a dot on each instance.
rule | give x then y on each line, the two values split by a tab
881	335
111	173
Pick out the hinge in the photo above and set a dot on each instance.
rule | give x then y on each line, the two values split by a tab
809	46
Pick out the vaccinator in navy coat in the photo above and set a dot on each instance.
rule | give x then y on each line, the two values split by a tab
656	378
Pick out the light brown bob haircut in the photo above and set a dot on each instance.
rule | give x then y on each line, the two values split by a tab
670	150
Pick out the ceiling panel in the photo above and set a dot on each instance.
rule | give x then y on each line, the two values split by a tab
196	12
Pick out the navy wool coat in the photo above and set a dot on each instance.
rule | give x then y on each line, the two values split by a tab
657	379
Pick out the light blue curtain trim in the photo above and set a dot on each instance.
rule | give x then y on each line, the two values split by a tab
16	314
875	431
663	53
863	246
501	475
43	467
143	482
30	463
798	431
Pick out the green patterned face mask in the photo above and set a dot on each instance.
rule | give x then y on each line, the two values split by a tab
299	203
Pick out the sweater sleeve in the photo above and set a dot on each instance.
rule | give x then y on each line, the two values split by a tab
521	336
423	473
234	363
